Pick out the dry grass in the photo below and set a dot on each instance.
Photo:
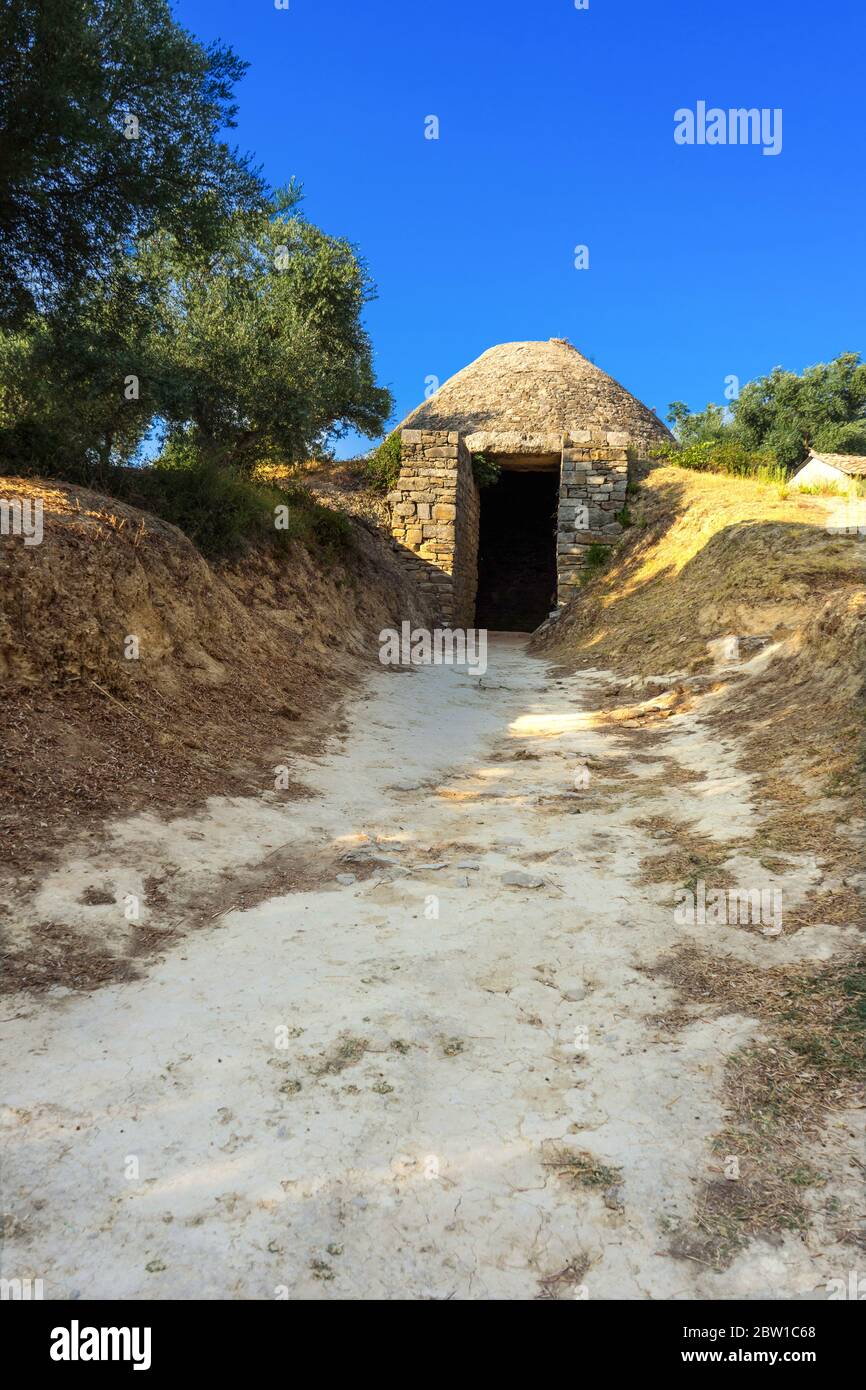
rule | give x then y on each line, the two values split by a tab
794	831
344	1052
688	854
581	1169
712	557
708	556
805	997
801	724
729	1214
676	774
562	1283
837	907
236	662
778	1091
339	483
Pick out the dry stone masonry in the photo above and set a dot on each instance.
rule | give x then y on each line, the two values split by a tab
592	490
529	406
435	511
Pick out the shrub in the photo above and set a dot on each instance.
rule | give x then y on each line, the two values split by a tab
725	456
824	407
597	556
222	511
225	512
382	468
485	471
331	531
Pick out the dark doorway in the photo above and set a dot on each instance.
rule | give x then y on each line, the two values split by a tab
517	551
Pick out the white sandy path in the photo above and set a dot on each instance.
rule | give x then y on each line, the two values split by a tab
417	1171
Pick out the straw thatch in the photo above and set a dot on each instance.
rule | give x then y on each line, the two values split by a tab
520	398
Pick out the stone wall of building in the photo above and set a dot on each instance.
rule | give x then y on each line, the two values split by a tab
435	513
592	489
466	540
434	520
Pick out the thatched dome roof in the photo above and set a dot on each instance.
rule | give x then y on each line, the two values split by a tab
520	398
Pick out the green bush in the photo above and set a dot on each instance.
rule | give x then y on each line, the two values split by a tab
597	556
222	511
33	448
724	456
382	468
485	471
225	512
331	531
824	407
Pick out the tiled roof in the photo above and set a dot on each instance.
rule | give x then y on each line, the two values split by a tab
852	464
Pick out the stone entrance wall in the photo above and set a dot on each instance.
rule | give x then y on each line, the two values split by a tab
435	512
592	489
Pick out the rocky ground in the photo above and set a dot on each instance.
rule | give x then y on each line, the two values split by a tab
424	1030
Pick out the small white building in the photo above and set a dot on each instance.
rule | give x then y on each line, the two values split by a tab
842	469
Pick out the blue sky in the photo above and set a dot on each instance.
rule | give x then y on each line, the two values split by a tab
556	130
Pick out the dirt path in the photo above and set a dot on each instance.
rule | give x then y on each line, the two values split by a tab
425	1083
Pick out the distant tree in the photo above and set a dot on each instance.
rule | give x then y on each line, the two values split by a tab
790	413
260	353
110	121
697	427
825	408
849	438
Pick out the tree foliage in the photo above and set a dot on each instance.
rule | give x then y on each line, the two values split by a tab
698	426
110	121
789	413
150	286
823	408
78	389
260	348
